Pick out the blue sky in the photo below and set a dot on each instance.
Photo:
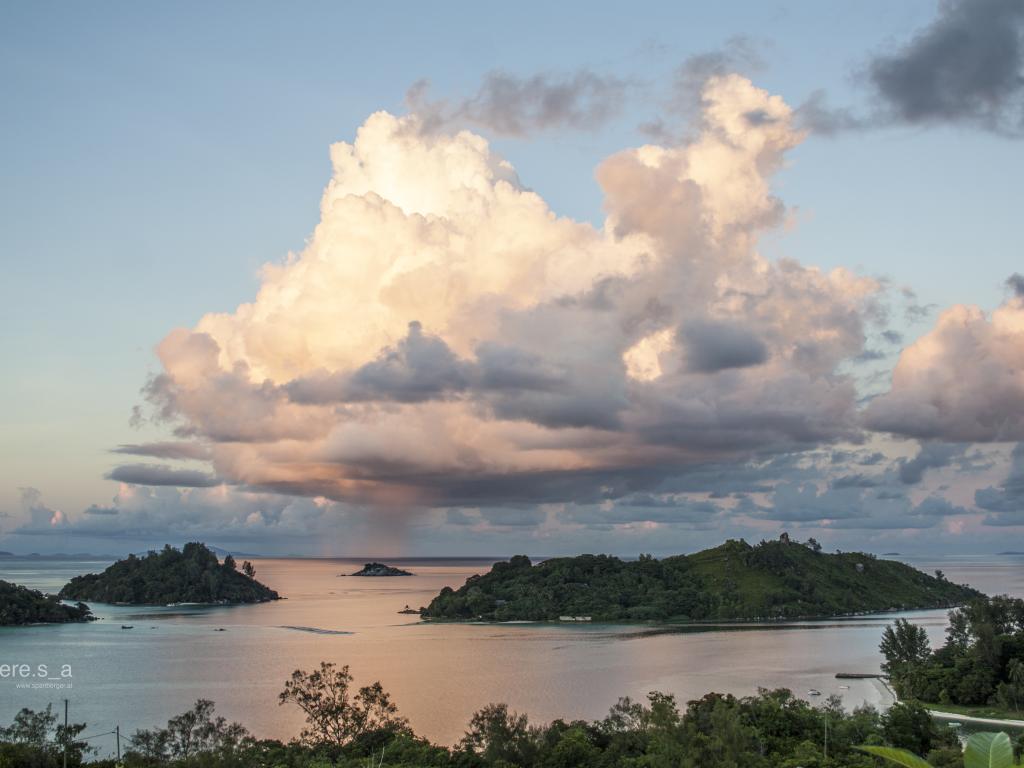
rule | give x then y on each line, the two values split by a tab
156	156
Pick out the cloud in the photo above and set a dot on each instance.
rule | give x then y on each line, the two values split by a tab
929	456
418	368
850	506
684	99
166	450
157	515
152	474
1005	501
511	105
38	516
1015	283
960	382
964	67
445	339
712	347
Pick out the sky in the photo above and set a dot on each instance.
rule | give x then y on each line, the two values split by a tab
330	279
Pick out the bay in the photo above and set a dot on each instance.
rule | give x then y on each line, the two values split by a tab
438	674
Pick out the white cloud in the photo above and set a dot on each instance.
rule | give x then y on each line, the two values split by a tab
445	338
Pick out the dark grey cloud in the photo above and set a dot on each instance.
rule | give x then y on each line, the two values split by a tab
419	368
858	480
154	474
850	508
929	456
1005	501
713	346
643	508
1015	283
518	106
166	450
514	517
964	67
102	511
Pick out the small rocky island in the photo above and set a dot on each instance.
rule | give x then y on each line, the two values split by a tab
735	581
191	575
379	569
20	606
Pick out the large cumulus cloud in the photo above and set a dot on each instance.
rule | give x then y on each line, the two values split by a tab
963	381
445	338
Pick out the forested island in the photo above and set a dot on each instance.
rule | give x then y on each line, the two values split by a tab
980	668
779	579
379	569
20	606
191	575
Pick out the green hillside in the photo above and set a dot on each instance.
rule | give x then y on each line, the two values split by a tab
773	580
192	575
20	605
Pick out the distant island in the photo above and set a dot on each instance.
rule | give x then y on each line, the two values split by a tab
379	569
779	579
20	606
191	575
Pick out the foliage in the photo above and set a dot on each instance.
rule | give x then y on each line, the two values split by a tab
333	716
20	605
773	580
191	575
904	646
192	733
35	740
772	729
983	750
981	662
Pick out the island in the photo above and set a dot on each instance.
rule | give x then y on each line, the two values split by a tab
20	606
735	581
379	569
191	575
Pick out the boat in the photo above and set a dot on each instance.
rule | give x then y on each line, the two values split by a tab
127	626
814	692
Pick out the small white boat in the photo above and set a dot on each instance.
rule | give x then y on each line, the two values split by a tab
814	692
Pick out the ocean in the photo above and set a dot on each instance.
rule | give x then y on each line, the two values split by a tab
438	674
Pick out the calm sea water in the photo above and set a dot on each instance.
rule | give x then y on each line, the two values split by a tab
438	674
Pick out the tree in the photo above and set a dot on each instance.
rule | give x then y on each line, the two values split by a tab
333	716
192	733
1011	693
906	648
249	569
31	731
229	562
908	725
500	737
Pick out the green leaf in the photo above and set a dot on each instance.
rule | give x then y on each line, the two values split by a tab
898	756
988	750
